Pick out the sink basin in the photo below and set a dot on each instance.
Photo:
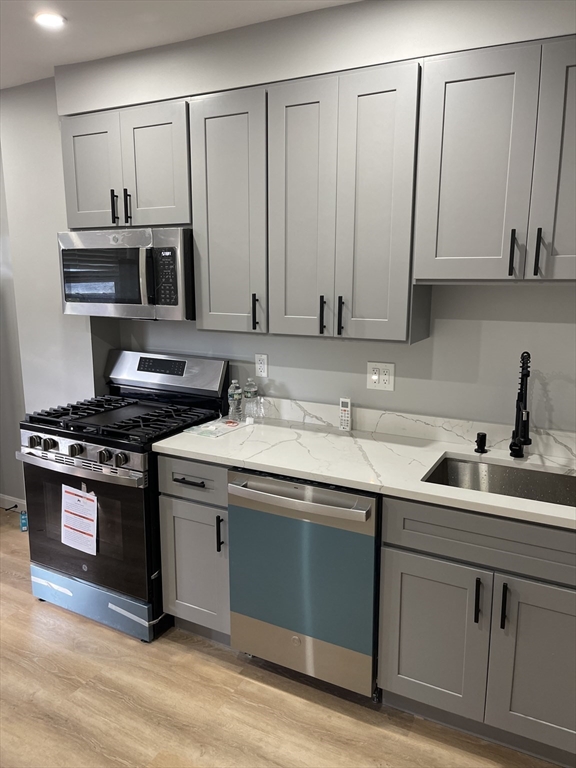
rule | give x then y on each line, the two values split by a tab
510	481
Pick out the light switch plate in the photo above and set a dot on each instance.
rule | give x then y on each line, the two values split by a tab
380	376
261	366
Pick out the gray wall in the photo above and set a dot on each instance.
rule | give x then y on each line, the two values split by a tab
11	394
355	35
467	369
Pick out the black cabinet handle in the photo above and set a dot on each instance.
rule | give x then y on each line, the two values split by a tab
512	253
537	253
193	483
503	609
322	305
340	308
219	541
477	600
114	206
254	321
127	207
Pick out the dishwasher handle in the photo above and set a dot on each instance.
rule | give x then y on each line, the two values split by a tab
359	514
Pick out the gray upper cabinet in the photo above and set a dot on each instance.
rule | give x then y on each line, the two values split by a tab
127	167
377	114
531	681
155	164
228	155
435	631
92	169
476	146
302	147
552	219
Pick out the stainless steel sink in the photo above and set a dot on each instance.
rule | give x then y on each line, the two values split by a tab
510	481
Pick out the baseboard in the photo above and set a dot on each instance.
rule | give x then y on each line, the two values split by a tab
9	501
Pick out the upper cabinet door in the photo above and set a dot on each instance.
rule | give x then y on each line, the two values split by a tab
155	165
302	136
551	243
92	169
376	153
476	146
228	139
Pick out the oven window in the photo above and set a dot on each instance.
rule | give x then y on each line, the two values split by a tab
101	275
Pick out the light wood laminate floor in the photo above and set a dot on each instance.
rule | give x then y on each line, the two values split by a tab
75	694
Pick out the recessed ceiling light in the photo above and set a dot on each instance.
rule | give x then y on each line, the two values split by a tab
50	20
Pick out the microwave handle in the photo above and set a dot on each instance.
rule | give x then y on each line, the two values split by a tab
146	276
150	276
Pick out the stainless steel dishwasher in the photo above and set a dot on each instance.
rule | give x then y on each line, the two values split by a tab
303	561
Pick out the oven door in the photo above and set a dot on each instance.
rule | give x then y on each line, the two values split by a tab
120	562
107	273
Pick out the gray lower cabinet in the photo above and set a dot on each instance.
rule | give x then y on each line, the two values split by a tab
228	156
476	146
551	246
532	671
435	631
127	167
194	540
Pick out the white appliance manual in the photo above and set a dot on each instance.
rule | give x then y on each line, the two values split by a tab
79	519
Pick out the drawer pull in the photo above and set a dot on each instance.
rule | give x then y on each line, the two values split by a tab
193	483
477	600
504	601
219	541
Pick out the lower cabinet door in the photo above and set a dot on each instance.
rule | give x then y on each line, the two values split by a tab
532	674
435	631
195	563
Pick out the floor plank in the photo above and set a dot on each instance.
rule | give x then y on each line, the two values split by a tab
76	694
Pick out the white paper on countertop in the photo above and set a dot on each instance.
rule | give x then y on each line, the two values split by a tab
79	519
217	428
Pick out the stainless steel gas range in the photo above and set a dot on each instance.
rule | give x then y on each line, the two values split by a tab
92	490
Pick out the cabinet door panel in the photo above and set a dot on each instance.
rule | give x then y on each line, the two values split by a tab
92	168
194	573
554	185
532	674
228	139
302	134
431	649
376	146
477	133
155	164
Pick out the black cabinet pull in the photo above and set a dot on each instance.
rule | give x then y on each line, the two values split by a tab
477	600
254	321
340	308
114	206
219	541
127	207
537	253
193	483
503	609
322	305
512	253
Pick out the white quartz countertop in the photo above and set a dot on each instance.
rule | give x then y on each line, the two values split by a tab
390	464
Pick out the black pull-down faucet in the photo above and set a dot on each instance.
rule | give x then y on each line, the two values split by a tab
521	432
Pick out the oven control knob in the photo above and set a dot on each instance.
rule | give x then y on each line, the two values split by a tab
75	449
104	455
34	441
120	459
48	443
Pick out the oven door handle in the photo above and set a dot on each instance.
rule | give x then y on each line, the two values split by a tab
67	469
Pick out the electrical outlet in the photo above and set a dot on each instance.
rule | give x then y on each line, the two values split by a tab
380	376
261	366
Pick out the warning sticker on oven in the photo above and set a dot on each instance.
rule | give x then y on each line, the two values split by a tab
79	519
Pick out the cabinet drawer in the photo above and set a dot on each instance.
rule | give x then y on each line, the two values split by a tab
510	545
193	480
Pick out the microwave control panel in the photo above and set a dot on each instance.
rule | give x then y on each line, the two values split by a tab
166	277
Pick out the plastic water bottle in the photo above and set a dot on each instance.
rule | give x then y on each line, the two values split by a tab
235	401
250	400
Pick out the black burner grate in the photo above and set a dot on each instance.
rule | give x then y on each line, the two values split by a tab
63	415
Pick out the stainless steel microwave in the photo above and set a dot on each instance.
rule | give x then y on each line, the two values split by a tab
135	273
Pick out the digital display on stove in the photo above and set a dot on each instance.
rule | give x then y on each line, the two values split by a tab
154	365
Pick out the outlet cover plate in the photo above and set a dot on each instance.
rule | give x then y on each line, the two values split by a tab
381	376
261	365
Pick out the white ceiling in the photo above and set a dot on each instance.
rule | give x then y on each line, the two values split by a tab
99	28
